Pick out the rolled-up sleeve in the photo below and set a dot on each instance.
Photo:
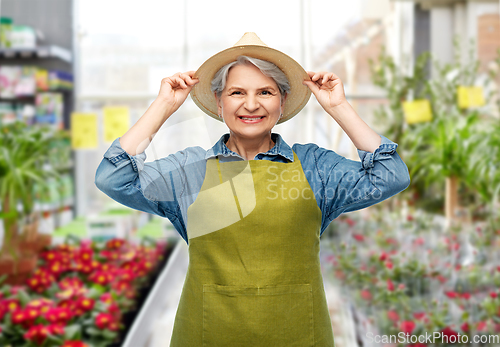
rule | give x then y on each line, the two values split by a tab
352	185
165	187
118	176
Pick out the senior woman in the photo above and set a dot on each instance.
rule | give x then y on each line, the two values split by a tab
252	208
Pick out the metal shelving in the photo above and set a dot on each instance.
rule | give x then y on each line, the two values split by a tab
42	52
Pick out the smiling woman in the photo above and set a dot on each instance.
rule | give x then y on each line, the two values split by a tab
250	214
250	105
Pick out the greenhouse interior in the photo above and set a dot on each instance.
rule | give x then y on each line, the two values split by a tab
392	159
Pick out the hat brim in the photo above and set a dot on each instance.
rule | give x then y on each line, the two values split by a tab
296	99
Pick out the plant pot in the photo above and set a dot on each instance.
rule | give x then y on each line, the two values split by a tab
17	270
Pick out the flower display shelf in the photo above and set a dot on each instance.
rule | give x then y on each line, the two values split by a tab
413	274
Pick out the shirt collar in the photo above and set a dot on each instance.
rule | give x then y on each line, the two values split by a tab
280	148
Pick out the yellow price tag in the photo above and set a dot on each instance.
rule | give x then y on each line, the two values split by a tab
470	97
83	130
417	111
116	122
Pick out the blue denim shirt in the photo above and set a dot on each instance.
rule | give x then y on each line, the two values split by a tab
168	186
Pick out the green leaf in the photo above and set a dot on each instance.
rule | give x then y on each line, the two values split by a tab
24	298
72	332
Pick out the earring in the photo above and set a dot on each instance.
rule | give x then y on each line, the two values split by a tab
281	115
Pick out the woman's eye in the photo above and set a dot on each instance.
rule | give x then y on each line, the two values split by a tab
266	92
236	93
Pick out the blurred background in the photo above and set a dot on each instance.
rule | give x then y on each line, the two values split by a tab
75	75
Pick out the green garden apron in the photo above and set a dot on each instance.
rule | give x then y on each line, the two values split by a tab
254	276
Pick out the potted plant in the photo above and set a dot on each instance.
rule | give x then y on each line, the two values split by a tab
446	150
24	152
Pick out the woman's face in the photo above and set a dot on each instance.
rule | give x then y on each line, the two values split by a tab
250	102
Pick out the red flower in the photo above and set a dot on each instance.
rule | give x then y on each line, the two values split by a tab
350	222
18	316
121	286
493	295
482	326
465	327
441	278
393	315
419	315
58	315
100	277
115	243
85	304
447	331
358	237
106	298
55	329
407	326
466	296
11	305
70	282
70	305
50	256
390	285
452	294
409	218
383	256
103	320
85	255
388	265
41	280
37	334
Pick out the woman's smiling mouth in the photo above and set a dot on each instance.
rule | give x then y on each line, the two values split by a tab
251	119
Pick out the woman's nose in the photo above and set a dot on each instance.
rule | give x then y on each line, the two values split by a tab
251	103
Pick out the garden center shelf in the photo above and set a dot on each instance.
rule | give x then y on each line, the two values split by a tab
42	52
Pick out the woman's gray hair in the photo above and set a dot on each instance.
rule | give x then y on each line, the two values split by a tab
267	68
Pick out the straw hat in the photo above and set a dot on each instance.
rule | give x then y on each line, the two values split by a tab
250	45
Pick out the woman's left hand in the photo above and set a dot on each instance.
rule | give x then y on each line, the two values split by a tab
327	88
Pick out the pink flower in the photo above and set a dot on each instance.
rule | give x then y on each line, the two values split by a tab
383	256
350	222
388	265
419	315
482	326
393	315
365	294
419	241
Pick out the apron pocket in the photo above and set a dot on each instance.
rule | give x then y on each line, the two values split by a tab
250	316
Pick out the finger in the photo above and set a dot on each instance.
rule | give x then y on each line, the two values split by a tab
316	76
190	81
181	82
313	75
312	86
327	77
193	76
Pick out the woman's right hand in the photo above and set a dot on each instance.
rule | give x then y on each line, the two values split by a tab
175	89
